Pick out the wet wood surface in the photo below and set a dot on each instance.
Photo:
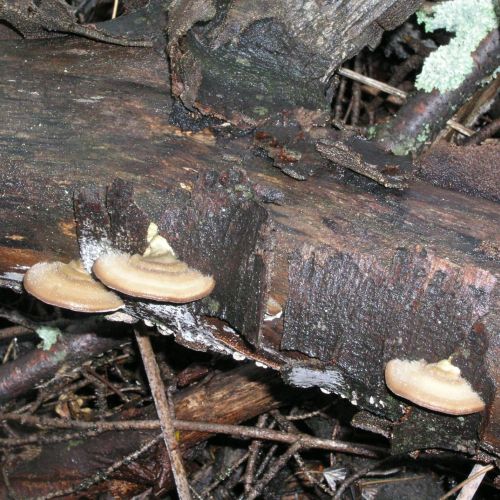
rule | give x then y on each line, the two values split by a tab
76	113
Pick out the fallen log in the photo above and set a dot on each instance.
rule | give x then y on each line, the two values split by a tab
364	273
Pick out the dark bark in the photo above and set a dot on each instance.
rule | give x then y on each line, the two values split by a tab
93	117
366	159
26	372
468	169
55	18
245	61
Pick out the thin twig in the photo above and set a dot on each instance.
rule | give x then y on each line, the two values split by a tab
103	475
115	9
486	132
272	471
339	100
107	383
351	479
224	475
253	453
358	77
266	460
162	407
14	331
241	431
389	89
478	472
10	349
286	424
356	93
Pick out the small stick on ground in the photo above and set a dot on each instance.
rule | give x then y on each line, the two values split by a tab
14	331
486	132
389	89
276	467
253	452
242	431
103	475
356	93
162	407
471	484
348	481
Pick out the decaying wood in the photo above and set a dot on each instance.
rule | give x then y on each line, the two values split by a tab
469	169
230	397
24	373
50	18
396	274
246	61
351	153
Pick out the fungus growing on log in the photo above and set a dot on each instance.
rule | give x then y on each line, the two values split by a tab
436	386
69	286
154	277
273	309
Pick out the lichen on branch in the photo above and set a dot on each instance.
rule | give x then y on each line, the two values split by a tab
470	20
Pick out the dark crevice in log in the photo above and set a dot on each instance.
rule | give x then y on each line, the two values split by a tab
245	61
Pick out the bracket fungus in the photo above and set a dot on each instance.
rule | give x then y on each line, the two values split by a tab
69	286
436	386
155	275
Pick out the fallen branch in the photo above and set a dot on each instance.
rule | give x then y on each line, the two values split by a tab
59	466
71	350
162	407
240	431
426	113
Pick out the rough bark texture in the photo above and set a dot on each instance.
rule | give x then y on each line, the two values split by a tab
249	60
406	270
341	299
469	169
55	18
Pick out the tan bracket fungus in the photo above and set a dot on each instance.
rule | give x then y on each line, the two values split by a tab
436	386
69	286
155	275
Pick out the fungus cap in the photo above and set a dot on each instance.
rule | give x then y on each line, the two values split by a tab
153	276
273	309
436	386
69	286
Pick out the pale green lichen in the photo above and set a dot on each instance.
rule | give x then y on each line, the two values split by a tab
470	20
48	335
410	143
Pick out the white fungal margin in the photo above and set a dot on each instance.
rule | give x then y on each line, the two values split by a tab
330	380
